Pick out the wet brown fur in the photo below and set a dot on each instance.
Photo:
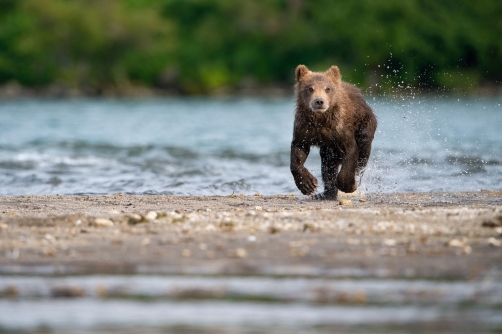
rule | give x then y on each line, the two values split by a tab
332	115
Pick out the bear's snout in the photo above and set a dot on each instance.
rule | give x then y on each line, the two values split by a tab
318	104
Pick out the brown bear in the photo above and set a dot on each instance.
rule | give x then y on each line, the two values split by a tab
332	115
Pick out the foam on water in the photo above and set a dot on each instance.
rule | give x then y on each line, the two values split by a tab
202	147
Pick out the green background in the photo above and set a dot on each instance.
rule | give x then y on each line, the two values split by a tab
206	46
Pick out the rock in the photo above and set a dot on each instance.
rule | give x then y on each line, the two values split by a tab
135	219
252	238
3	226
11	291
455	243
494	222
102	222
67	292
227	226
362	200
186	253
312	227
494	242
186	229
390	242
241	252
49	251
273	230
151	215
210	227
49	237
345	202
258	208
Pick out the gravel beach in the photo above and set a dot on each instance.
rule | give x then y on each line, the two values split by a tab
419	235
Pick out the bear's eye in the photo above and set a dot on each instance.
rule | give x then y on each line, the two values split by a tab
311	89
328	90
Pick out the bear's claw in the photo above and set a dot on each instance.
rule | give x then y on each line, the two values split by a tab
332	196
307	184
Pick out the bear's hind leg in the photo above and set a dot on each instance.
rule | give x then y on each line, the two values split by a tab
330	162
364	140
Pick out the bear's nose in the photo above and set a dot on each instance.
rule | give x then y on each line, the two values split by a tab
319	102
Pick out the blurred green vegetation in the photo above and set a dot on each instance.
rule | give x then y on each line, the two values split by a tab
203	46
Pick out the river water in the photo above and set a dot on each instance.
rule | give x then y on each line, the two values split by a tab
200	146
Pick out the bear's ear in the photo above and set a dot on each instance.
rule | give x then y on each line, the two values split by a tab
334	74
301	71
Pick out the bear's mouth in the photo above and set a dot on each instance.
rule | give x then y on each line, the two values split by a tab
318	109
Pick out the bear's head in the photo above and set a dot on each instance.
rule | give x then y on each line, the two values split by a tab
317	91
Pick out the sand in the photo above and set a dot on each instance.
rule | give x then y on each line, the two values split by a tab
429	235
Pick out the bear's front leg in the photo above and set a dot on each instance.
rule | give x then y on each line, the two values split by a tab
305	181
330	162
346	179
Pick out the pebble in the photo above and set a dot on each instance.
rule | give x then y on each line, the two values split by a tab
494	242
186	252
102	222
241	252
362	200
346	202
455	243
390	242
494	222
135	219
49	251
11	291
258	208
312	227
151	215
210	227
252	238
67	292
3	226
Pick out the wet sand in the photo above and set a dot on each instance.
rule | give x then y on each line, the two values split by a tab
398	235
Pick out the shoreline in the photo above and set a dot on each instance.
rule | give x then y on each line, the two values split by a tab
14	91
438	235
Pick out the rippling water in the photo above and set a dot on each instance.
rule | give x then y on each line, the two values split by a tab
194	146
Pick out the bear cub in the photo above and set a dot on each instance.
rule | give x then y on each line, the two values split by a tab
332	115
